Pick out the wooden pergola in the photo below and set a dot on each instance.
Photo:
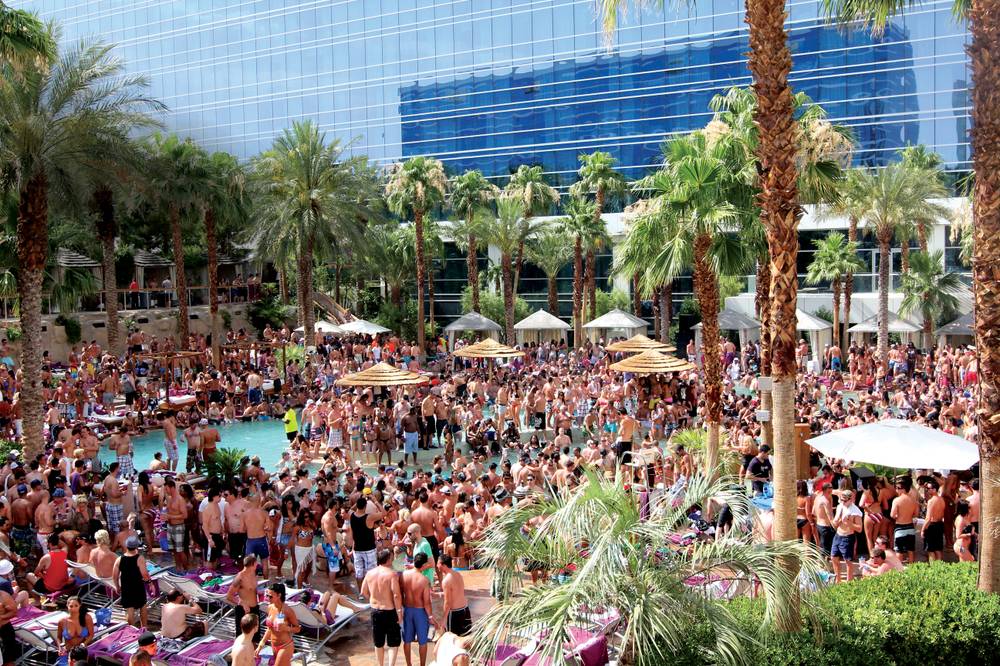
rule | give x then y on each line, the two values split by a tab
248	349
170	360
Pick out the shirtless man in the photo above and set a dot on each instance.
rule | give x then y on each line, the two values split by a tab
425	516
254	387
113	497
45	522
904	510
417	613
170	440
192	435
211	528
381	586
457	618
255	521
243	593
427	413
933	530
823	512
177	513
411	435
121	444
22	533
90	444
236	507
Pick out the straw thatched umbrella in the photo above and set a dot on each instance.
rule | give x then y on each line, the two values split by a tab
488	348
639	343
382	374
652	362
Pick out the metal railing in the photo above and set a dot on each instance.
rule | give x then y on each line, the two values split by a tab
133	300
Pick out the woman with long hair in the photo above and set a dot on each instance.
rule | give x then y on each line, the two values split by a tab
77	628
281	624
304	553
148	499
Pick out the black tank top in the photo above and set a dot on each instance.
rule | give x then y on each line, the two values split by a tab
364	536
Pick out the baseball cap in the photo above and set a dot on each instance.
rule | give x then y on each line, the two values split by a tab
58	492
146	639
132	542
446	490
203	422
21	488
6	567
501	494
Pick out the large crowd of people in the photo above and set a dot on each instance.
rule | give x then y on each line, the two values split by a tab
382	494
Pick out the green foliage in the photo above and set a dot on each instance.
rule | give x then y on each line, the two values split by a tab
824	313
369	303
402	319
730	285
615	299
227	319
268	310
72	326
8	445
226	465
13	333
491	305
927	614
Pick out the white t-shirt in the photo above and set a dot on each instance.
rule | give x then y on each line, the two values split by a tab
844	512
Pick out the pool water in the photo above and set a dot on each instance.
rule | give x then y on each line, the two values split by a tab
258	438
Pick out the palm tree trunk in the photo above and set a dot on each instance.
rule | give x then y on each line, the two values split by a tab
32	252
884	251
180	284
578	292
337	270
553	295
984	26
396	295
770	62
283	285
852	237
922	238
706	286
636	297
836	312
519	260
309	311
107	230
656	312
666	310
430	292
928	334
213	284
472	267
508	297
300	284
592	283
904	255
418	224
762	301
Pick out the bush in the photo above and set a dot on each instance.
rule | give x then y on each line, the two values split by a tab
8	445
491	305
826	314
268	311
928	614
74	332
606	301
226	465
14	333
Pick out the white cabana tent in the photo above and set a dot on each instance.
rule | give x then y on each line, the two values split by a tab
323	326
363	327
960	331
614	324
820	333
898	443
731	320
472	321
904	327
540	326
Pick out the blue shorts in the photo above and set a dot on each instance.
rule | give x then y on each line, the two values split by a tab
410	442
843	547
258	547
416	626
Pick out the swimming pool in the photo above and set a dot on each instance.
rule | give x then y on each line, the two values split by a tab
258	438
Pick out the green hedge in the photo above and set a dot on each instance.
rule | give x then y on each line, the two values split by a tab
928	614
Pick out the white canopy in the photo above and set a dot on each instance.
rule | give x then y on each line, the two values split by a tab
364	327
323	326
541	320
472	321
808	322
614	324
896	325
898	443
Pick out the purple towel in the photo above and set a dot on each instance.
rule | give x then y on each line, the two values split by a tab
26	614
594	652
200	654
113	645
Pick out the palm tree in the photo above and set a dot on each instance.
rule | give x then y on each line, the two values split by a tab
390	253
56	124
307	203
551	250
177	174
834	260
528	185
471	194
508	232
597	176
24	39
613	558
594	243
851	202
225	202
644	239
415	188
929	290
578	224
929	163
433	250
892	196
984	25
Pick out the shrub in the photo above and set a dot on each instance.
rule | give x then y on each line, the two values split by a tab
8	445
74	332
826	314
14	333
606	301
928	614
226	465
491	305
268	311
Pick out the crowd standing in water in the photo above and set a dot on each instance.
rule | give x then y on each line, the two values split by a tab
382	493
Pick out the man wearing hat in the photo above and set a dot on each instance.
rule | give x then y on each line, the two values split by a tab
146	651
130	576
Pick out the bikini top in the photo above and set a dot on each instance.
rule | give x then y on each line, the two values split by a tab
84	633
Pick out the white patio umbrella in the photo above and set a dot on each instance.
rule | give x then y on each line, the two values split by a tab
898	443
364	327
323	326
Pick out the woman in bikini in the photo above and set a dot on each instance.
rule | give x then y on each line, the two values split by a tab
280	624
803	511
75	629
305	528
148	501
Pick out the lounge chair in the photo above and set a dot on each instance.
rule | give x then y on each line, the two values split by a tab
317	632
203	651
207	600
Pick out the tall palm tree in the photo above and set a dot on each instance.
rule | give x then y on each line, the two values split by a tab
984	26
390	253
892	196
24	39
611	550
834	260
508	232
177	174
54	125
919	158
470	195
415	188
307	202
930	290
433	250
597	176
851	202
551	250
528	185
643	242
594	243
224	202
579	225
